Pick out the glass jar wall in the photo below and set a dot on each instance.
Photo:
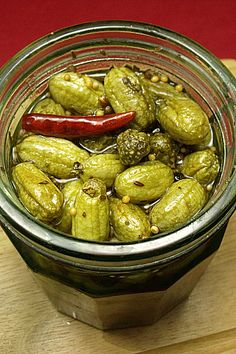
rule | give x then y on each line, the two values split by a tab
93	281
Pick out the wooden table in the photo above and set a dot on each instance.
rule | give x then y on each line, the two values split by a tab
205	323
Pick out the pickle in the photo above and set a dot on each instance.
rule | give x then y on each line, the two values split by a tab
144	182
164	148
70	191
37	192
55	156
129	221
184	120
103	166
99	144
161	90
132	146
48	106
202	165
77	92
125	92
91	221
180	203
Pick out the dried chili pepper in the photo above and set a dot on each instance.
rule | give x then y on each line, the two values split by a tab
74	126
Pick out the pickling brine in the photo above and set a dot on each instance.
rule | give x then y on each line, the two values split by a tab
135	135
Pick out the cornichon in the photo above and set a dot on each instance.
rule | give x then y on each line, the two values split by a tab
202	165
49	106
180	203
103	166
184	120
161	89
55	156
69	191
125	92
37	192
91	220
77	92
144	182
129	221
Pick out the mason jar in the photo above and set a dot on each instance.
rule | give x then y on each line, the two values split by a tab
114	285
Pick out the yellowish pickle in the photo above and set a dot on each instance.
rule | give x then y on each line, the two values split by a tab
55	156
103	166
129	221
77	92
180	203
125	92
37	192
91	219
202	165
184	120
69	191
146	181
48	106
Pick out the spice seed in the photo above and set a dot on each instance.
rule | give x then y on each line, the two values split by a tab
179	88
100	112
67	77
95	85
164	78
155	78
151	157
72	211
139	184
155	229
126	199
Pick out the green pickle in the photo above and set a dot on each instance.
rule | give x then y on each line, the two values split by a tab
161	90
201	165
144	182
126	92
54	156
49	106
151	176
37	192
129	221
103	166
69	191
77	92
91	220
184	120
180	203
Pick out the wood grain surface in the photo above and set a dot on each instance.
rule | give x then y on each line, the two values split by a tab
204	323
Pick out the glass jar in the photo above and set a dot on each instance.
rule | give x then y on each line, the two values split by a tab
110	285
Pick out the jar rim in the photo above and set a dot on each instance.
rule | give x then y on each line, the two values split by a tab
221	210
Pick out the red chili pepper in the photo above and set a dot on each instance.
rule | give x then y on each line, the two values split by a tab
74	126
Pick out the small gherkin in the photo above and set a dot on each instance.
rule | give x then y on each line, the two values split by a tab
184	120
76	92
125	92
91	220
49	106
129	221
37	192
132	146
201	165
183	200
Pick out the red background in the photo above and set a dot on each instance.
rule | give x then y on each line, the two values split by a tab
211	23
